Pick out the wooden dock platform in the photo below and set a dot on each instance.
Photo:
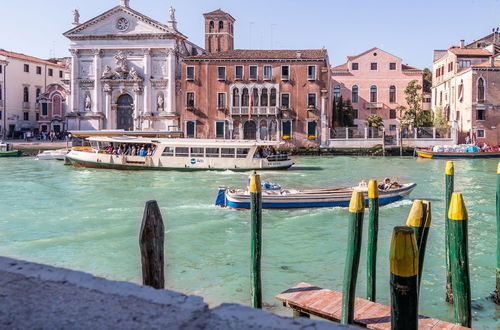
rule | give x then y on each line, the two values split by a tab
312	300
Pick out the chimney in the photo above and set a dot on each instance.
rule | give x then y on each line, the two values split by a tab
299	55
492	61
462	43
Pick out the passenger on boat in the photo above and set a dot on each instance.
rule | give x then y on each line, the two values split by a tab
387	184
143	152
150	152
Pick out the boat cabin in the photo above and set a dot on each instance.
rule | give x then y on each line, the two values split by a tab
6	146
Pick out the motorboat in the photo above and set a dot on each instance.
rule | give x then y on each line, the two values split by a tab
59	154
7	150
459	151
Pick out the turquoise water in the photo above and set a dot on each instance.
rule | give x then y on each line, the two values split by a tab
89	220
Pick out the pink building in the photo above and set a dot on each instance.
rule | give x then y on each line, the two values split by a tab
374	81
52	106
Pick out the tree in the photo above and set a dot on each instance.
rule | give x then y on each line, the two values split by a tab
440	118
374	121
342	113
427	84
413	113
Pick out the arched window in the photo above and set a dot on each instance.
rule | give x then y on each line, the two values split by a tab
56	105
211	26
26	95
373	93
272	101
480	90
392	94
355	94
336	91
236	98
255	97
221	25
37	94
244	97
264	98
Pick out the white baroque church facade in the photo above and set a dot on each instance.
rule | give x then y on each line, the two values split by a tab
124	70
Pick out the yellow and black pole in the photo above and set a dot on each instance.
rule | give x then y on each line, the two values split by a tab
356	212
403	258
256	238
496	296
449	183
371	258
459	260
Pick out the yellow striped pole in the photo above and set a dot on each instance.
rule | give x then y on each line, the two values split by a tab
356	211
403	257
459	260
256	238
496	296
371	258
449	183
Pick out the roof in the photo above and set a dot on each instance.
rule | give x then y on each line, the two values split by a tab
350	58
264	54
218	12
469	51
487	63
28	58
342	67
409	67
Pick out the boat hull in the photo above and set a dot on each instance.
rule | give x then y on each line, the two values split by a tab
467	155
13	153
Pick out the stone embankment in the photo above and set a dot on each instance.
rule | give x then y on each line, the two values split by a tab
44	297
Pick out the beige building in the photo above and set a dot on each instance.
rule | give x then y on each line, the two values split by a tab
22	79
466	88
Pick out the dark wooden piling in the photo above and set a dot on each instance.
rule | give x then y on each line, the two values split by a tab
459	260
449	183
151	241
356	211
256	238
496	296
404	279
371	259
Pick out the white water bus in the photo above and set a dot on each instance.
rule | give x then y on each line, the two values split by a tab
178	154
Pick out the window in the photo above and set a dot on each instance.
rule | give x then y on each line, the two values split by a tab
219	129
392	94
268	72
311	129
392	114
272	99
373	66
212	152
190	99
221	100
392	66
197	152
190	73
26	95
253	72
168	152
255	97
311	72
221	25
336	92
37	116
481	114
38	70
480	90
221	73
37	95
1	69
238	75
480	133
245	98
60	74
211	26
184	151
355	114
285	100
311	100
51	72
190	129
26	68
26	116
355	94
287	128
1	91
242	152
236	98
227	152
464	64
392	127
373	93
285	72
460	91
44	109
354	66
264	97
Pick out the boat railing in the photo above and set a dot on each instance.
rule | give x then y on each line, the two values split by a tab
278	158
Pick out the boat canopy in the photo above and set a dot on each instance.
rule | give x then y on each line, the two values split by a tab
183	141
120	132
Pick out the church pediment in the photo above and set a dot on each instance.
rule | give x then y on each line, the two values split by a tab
121	22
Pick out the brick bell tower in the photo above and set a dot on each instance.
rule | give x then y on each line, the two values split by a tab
219	29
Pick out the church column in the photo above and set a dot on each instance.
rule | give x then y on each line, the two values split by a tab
97	80
137	116
170	109
107	107
147	81
74	80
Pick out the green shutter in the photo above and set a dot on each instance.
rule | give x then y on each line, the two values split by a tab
219	129
311	128
287	128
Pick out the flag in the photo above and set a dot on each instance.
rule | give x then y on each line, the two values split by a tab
250	107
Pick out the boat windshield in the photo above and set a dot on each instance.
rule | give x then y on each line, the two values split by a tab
270	154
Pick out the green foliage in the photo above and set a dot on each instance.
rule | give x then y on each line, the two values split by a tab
439	119
342	113
427	83
412	115
424	119
374	121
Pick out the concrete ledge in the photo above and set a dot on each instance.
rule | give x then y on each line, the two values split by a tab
44	297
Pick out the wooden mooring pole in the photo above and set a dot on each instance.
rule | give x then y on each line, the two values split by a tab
371	259
449	183
356	212
496	296
256	238
459	261
151	240
404	279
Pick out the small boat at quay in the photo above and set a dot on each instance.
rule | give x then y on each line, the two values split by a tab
7	150
468	153
59	154
290	198
136	153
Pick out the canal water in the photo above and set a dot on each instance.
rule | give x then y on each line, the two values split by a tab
89	219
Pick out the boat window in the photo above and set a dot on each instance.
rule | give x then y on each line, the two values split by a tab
242	152
197	152
212	152
227	152
182	152
168	151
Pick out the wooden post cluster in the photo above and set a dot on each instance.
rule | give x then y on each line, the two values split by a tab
404	279
496	296
371	258
256	238
356	212
151	240
459	260
449	183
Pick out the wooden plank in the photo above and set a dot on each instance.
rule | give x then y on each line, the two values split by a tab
327	304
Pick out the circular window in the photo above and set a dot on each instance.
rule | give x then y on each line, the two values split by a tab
122	24
374	54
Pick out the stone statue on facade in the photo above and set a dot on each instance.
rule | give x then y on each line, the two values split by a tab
107	73
160	102
171	12
76	17
121	65
88	103
134	75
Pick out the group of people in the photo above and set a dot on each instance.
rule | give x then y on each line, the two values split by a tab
264	152
131	150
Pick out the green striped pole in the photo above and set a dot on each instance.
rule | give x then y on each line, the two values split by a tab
356	211
371	258
256	238
419	220
459	260
403	259
496	297
449	179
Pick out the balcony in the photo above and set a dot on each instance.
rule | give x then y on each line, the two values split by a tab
26	105
256	111
374	105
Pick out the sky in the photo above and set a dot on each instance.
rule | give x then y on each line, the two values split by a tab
410	30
